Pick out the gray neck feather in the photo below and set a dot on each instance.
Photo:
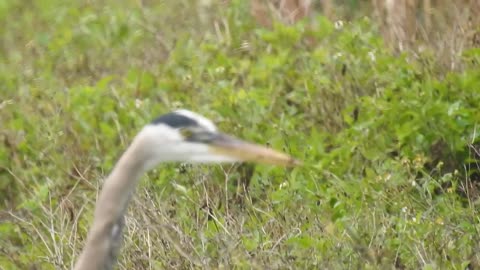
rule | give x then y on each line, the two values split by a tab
105	236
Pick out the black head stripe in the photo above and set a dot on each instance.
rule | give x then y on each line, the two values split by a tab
175	120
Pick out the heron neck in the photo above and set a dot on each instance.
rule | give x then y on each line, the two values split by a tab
111	205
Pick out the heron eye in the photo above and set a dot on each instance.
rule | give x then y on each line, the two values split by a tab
186	132
196	135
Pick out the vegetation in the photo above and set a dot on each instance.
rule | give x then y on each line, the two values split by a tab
390	140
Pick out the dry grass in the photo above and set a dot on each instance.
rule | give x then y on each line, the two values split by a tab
447	28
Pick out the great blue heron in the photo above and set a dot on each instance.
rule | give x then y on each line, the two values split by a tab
180	136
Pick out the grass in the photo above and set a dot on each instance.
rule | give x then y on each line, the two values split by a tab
390	141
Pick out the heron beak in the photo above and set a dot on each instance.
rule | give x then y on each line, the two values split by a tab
245	151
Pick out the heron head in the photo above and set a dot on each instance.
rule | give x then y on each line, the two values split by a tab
184	136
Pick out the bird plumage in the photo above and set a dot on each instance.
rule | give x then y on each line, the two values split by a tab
180	136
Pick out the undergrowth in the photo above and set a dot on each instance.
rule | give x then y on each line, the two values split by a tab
390	142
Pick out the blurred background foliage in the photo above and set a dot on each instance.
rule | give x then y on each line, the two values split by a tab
380	99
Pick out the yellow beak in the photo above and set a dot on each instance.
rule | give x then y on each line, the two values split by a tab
245	151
